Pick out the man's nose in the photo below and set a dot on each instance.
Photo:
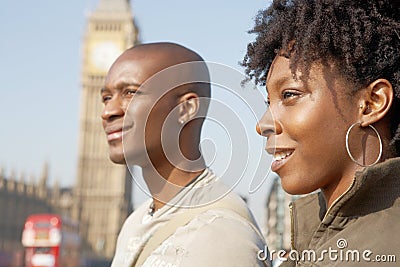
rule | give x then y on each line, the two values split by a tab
268	125
113	109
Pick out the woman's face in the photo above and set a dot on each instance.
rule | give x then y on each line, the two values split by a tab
306	128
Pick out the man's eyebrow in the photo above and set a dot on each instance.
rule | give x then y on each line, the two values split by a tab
104	90
125	84
120	86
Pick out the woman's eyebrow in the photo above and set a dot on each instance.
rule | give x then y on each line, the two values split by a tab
278	83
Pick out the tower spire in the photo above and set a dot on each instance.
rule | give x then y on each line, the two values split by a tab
113	6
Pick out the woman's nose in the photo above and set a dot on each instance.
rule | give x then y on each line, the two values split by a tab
267	125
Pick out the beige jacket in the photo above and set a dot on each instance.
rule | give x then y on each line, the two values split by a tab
361	229
216	237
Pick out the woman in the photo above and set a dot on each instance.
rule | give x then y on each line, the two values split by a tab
332	73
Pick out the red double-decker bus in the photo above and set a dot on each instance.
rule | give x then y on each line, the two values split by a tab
50	241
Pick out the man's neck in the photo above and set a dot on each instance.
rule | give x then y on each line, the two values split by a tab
165	182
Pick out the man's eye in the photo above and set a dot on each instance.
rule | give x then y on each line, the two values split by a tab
105	98
130	92
289	94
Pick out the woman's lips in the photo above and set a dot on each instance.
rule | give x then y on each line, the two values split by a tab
280	159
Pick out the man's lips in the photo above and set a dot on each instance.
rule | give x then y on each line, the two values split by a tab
116	133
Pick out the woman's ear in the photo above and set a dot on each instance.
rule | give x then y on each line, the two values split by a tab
188	107
377	101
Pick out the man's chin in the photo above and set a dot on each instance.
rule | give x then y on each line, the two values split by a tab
117	158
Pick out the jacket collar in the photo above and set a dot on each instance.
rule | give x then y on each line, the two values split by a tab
375	188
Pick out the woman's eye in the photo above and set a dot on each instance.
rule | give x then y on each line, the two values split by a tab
267	102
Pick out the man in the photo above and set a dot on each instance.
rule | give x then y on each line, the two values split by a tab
155	100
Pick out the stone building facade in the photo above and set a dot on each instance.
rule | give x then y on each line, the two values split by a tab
20	198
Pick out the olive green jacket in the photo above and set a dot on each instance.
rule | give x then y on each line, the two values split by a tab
362	228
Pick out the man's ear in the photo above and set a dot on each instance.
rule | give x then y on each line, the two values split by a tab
376	102
188	107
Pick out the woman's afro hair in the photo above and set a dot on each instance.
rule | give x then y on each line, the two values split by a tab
361	37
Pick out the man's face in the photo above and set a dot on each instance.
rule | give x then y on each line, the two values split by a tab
132	112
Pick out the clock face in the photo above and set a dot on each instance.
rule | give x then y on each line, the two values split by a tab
104	54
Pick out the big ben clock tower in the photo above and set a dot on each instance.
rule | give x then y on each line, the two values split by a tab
103	189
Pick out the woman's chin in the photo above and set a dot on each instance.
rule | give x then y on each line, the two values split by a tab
295	188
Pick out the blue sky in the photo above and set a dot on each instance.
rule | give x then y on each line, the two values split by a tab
40	67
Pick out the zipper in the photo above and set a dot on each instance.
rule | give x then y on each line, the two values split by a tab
291	225
337	200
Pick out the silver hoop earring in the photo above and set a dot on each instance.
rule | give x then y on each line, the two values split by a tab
348	149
